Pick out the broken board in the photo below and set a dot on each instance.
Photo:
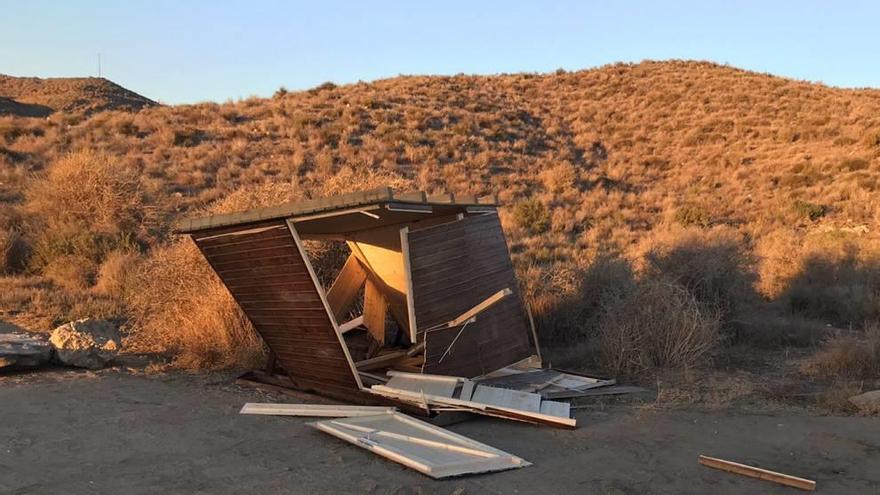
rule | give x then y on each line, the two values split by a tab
428	449
312	410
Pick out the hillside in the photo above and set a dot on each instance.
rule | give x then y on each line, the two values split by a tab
751	190
35	97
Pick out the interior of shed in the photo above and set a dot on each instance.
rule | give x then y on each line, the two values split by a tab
359	256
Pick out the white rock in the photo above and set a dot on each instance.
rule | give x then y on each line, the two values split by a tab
868	402
21	350
86	343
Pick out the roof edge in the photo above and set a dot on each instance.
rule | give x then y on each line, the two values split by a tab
294	209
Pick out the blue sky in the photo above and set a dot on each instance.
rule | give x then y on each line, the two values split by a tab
189	51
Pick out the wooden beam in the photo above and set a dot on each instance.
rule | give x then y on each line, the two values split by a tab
383	361
479	308
534	333
407	269
345	289
351	325
753	472
312	410
375	311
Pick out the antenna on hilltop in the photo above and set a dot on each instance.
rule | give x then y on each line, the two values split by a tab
99	64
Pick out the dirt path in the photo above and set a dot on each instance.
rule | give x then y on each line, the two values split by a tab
114	432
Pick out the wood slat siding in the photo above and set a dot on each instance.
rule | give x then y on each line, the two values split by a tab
265	273
455	266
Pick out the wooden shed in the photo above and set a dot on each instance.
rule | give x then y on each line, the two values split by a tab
428	286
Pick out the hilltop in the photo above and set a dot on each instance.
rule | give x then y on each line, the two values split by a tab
752	198
35	97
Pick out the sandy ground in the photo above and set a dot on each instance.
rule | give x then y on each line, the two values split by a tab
117	432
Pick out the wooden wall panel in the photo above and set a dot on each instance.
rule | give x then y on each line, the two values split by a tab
266	274
455	266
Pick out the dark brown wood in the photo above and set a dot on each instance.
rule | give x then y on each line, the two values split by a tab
453	266
267	275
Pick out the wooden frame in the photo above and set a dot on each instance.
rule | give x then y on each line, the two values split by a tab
410	304
428	449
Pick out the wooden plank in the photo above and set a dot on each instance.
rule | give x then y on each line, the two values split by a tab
312	410
407	268
351	325
479	308
754	472
382	361
534	334
345	289
428	449
375	311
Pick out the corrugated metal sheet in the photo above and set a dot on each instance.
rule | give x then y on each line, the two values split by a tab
266	273
455	266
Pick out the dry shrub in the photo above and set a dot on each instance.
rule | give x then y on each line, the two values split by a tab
87	190
659	325
71	272
713	265
115	272
847	356
85	207
832	276
14	252
180	307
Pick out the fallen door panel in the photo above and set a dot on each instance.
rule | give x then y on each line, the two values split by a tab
431	450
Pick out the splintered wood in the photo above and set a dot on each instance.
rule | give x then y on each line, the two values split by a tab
428	449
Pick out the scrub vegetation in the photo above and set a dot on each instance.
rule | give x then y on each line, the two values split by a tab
661	215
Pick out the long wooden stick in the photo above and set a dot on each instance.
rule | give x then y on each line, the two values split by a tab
753	472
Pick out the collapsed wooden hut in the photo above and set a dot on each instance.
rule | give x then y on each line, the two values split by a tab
428	285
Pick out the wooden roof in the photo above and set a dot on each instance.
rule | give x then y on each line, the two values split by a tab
383	197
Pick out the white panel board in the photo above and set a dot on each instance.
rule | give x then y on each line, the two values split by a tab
428	449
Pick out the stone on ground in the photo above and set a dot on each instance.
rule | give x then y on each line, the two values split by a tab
868	402
20	350
86	343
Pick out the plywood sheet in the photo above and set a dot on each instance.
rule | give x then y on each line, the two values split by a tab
346	288
453	266
428	449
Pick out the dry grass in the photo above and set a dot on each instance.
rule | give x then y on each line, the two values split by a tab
734	178
847	356
660	325
179	306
